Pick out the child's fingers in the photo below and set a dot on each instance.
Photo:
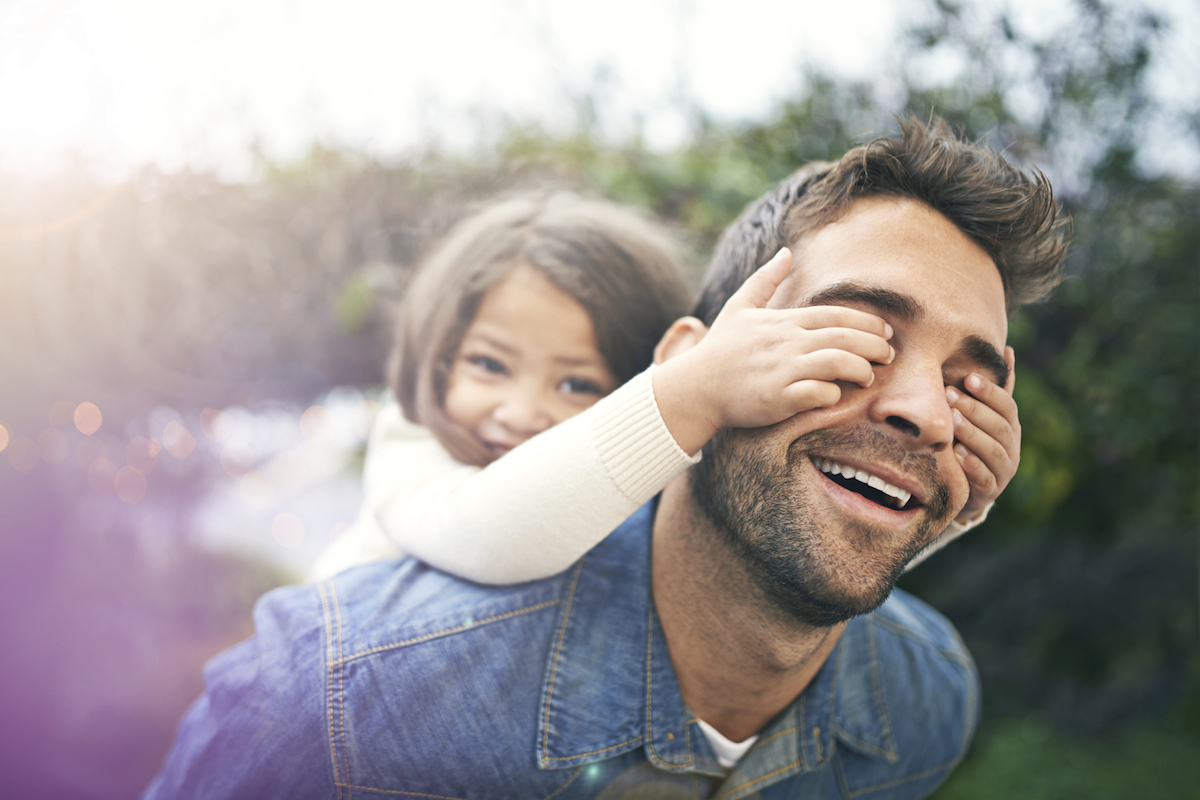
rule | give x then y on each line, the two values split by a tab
758	289
985	448
815	317
867	345
993	410
808	394
981	479
832	364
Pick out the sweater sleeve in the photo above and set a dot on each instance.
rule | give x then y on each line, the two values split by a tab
404	463
536	510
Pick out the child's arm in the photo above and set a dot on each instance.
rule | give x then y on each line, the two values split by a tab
536	510
400	456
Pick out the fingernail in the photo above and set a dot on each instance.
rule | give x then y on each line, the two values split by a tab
958	420
952	394
782	250
892	356
887	332
974	381
961	452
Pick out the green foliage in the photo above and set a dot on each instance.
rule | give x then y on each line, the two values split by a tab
352	304
1029	759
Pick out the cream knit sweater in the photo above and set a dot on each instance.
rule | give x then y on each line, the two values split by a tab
528	515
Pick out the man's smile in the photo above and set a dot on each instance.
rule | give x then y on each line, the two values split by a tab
866	483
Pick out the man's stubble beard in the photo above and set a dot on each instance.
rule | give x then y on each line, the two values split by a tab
764	517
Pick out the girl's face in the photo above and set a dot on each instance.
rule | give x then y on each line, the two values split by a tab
527	362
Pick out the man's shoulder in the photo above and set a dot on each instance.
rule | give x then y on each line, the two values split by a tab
920	624
909	701
393	604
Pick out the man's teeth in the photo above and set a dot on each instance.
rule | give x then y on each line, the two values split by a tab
825	465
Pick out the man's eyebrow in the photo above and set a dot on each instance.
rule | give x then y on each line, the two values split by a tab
896	305
981	351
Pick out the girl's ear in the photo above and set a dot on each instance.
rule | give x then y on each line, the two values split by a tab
684	334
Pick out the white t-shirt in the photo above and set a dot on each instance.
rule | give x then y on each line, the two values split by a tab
727	752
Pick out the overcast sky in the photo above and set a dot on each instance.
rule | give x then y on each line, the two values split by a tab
177	82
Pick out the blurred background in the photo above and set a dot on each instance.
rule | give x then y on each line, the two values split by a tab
207	212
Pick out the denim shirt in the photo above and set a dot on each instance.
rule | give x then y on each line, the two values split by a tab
395	680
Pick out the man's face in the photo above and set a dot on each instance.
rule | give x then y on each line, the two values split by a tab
825	547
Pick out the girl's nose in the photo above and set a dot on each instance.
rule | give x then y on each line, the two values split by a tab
524	411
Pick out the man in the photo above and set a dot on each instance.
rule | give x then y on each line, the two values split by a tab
735	638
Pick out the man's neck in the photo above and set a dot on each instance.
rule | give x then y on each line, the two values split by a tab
739	660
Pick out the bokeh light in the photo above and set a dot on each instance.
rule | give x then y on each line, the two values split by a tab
142	454
214	424
288	529
23	454
52	445
88	418
130	485
237	458
178	440
3	437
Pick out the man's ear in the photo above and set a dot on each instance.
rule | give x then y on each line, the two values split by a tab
684	334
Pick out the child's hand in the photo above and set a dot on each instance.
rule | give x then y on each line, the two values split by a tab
988	436
757	366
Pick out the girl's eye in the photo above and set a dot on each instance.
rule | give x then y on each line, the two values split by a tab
581	386
487	364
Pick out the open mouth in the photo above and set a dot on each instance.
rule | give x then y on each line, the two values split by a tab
872	487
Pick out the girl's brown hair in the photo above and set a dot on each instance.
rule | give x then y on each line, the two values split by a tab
624	270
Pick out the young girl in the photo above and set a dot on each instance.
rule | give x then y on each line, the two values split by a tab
532	313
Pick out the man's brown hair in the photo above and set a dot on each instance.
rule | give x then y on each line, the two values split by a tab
624	270
1009	213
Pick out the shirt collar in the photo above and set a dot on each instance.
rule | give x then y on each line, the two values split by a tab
609	686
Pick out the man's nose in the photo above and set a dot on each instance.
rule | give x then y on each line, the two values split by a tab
913	403
524	411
